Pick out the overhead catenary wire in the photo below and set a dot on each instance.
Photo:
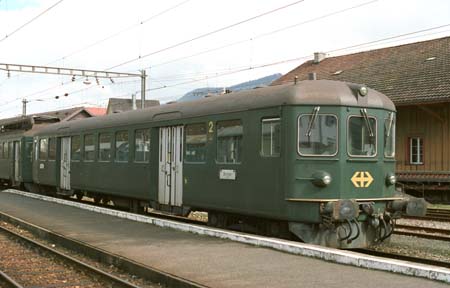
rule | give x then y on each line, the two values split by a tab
30	21
241	69
113	35
294	59
207	34
73	92
265	34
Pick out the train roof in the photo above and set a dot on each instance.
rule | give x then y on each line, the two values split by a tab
313	92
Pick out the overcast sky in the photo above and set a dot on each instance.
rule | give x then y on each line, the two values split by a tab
70	34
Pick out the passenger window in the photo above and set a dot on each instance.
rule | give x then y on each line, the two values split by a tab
122	146
89	147
104	151
51	148
29	149
270	137
10	149
5	150
317	135
195	143
1	151
229	141
43	149
75	148
142	145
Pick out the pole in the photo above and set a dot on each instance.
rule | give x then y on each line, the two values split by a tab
24	107
133	101
143	76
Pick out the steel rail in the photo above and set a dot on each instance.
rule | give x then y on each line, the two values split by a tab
9	281
73	261
424	229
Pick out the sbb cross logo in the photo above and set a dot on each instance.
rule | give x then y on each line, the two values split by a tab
362	179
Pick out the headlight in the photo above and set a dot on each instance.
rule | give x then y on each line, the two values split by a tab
321	178
344	209
391	179
363	91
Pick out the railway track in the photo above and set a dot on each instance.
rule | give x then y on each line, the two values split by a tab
27	263
423	232
434	214
402	257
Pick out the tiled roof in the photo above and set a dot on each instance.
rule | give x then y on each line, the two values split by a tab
408	74
96	111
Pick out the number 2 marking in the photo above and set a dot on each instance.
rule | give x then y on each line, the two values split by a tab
210	127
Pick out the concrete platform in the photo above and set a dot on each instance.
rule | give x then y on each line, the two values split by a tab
205	260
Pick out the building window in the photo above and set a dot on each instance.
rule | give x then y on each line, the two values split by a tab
416	150
195	143
122	146
104	151
270	137
89	147
229	141
75	148
43	149
142	145
51	148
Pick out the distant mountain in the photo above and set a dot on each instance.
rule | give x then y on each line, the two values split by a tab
202	92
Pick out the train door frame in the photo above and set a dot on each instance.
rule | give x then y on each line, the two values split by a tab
65	163
170	179
16	161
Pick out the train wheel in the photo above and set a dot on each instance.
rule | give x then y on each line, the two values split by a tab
79	196
213	219
97	199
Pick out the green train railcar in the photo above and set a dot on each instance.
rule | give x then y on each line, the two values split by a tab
16	142
314	159
15	159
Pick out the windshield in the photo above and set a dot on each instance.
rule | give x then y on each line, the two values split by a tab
389	136
317	135
360	141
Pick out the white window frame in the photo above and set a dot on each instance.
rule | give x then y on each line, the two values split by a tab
419	153
272	148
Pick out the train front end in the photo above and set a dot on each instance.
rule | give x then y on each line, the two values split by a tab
342	185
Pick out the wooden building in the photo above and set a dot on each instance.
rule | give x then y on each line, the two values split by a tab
416	77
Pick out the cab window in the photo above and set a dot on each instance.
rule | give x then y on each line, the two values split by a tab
362	136
317	135
389	136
